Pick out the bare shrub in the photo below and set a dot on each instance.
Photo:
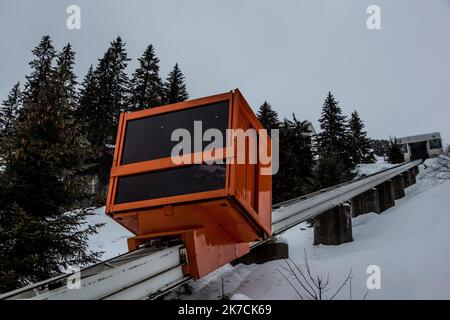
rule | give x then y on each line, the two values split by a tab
310	286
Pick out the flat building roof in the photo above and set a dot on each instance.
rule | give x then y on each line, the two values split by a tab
419	137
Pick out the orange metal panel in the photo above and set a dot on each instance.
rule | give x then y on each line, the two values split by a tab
204	258
168	200
229	218
233	146
244	193
164	163
179	106
129	220
229	145
117	151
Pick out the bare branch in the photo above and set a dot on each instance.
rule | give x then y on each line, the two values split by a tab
312	294
292	285
343	284
319	286
365	295
306	280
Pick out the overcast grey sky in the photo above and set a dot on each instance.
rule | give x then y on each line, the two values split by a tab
288	52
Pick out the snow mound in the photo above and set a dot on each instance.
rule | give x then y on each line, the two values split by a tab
438	167
239	296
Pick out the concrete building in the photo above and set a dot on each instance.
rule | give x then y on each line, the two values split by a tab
421	146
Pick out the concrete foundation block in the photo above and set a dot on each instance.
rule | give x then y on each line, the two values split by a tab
334	227
268	251
399	187
412	174
406	179
386	195
365	202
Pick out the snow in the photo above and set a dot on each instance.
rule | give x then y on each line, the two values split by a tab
365	169
439	167
409	243
239	296
111	238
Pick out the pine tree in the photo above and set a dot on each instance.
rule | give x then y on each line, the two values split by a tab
333	125
94	127
65	77
175	87
146	86
329	170
88	113
284	178
41	66
103	97
359	146
295	174
304	154
335	165
294	177
333	146
268	117
41	219
9	110
380	147
113	84
395	154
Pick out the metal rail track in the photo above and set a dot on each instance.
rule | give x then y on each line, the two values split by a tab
149	273
133	275
295	212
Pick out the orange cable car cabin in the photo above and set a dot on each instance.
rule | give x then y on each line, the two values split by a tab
215	205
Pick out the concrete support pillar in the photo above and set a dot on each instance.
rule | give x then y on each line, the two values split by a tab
412	174
365	202
334	227
386	195
270	250
406	179
399	187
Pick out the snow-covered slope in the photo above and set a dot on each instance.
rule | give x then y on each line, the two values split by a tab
409	242
111	238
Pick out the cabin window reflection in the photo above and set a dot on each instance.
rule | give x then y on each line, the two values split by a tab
149	138
171	182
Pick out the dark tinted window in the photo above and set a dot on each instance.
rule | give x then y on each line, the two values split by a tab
171	182
150	138
435	144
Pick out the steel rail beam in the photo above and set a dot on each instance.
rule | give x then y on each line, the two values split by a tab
136	274
296	212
